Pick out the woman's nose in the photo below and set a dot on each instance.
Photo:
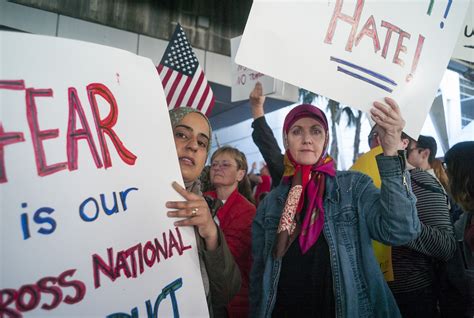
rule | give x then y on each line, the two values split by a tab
307	138
192	144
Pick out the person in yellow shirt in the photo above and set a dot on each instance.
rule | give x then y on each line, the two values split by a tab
368	165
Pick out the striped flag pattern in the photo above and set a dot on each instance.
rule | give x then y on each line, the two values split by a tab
182	78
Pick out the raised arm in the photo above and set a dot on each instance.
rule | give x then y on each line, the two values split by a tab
263	137
391	213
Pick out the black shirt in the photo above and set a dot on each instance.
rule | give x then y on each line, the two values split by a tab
305	288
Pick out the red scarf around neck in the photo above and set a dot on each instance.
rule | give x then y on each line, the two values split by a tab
307	190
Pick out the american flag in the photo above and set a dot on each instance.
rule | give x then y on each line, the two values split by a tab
181	76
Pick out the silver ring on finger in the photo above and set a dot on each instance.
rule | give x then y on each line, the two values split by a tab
194	212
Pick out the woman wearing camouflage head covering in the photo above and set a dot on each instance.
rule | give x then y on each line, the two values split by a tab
221	276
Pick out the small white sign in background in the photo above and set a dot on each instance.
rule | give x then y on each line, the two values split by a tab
244	79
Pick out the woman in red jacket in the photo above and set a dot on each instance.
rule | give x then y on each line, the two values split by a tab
228	175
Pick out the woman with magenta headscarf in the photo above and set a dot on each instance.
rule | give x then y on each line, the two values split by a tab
311	237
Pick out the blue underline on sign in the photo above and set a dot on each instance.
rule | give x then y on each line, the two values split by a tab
365	79
365	70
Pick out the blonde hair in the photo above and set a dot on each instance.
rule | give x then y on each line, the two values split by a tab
437	166
239	157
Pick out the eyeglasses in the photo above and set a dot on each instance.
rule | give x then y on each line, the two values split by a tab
222	165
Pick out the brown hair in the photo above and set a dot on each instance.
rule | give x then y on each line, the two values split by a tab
239	157
461	174
428	142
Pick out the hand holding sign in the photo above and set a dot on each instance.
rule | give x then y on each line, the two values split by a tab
257	99
196	213
389	119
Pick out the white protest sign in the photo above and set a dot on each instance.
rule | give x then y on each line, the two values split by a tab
244	79
464	49
87	160
356	52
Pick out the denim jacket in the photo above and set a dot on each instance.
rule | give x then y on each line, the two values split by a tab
355	213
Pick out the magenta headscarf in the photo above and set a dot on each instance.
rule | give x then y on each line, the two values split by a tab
307	189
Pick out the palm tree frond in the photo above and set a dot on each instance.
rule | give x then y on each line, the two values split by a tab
307	97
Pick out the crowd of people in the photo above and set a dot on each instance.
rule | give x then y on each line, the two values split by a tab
299	238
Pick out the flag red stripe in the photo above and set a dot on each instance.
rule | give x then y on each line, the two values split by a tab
183	91
169	97
211	105
159	68
203	97
196	89
166	77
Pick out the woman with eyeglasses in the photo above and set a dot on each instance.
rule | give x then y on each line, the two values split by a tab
220	274
228	174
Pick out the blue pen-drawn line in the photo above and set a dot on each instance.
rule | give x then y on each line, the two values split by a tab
469	46
441	25
365	70
365	79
